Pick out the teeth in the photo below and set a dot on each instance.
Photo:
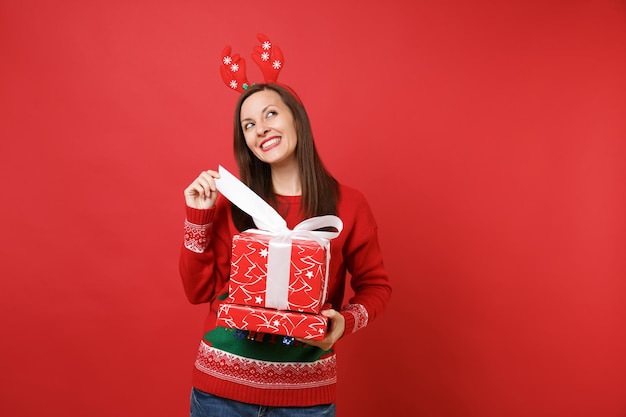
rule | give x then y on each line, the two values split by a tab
269	143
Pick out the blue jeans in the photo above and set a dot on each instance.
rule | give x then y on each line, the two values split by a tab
207	405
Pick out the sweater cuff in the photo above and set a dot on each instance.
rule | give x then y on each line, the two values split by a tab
349	323
356	317
200	216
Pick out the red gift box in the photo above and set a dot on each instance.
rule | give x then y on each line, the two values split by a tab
265	320
304	266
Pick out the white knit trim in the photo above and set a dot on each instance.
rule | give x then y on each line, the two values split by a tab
359	313
267	375
196	236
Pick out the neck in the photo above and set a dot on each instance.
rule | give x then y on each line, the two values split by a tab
286	180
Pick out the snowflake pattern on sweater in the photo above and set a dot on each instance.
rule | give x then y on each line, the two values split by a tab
196	236
263	374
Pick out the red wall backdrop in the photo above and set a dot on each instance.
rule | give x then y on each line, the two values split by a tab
489	139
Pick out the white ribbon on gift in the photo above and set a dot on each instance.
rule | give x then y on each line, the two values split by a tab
269	222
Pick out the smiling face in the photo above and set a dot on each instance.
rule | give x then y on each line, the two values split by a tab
268	128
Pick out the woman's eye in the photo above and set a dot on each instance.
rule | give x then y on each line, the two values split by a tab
247	126
271	113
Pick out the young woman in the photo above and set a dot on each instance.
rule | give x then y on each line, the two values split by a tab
235	375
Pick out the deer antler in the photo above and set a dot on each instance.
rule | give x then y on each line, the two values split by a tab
269	58
233	70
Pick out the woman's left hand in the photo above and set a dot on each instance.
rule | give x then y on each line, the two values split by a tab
337	327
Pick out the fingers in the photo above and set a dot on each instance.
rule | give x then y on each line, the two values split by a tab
202	192
336	330
337	323
206	180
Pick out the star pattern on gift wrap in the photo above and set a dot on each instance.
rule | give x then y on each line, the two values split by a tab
299	284
263	252
246	274
307	267
308	297
258	299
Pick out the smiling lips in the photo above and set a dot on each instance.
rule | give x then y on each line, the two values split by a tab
270	143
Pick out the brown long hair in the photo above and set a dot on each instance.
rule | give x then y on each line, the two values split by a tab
319	189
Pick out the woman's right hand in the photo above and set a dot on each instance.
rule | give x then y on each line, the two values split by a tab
202	193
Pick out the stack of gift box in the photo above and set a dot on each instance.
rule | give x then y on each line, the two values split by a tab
277	285
278	276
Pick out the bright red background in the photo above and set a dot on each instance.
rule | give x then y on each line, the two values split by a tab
488	138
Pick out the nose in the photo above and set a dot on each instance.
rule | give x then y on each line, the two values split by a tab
261	129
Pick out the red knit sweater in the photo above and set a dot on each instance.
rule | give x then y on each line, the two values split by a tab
267	370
